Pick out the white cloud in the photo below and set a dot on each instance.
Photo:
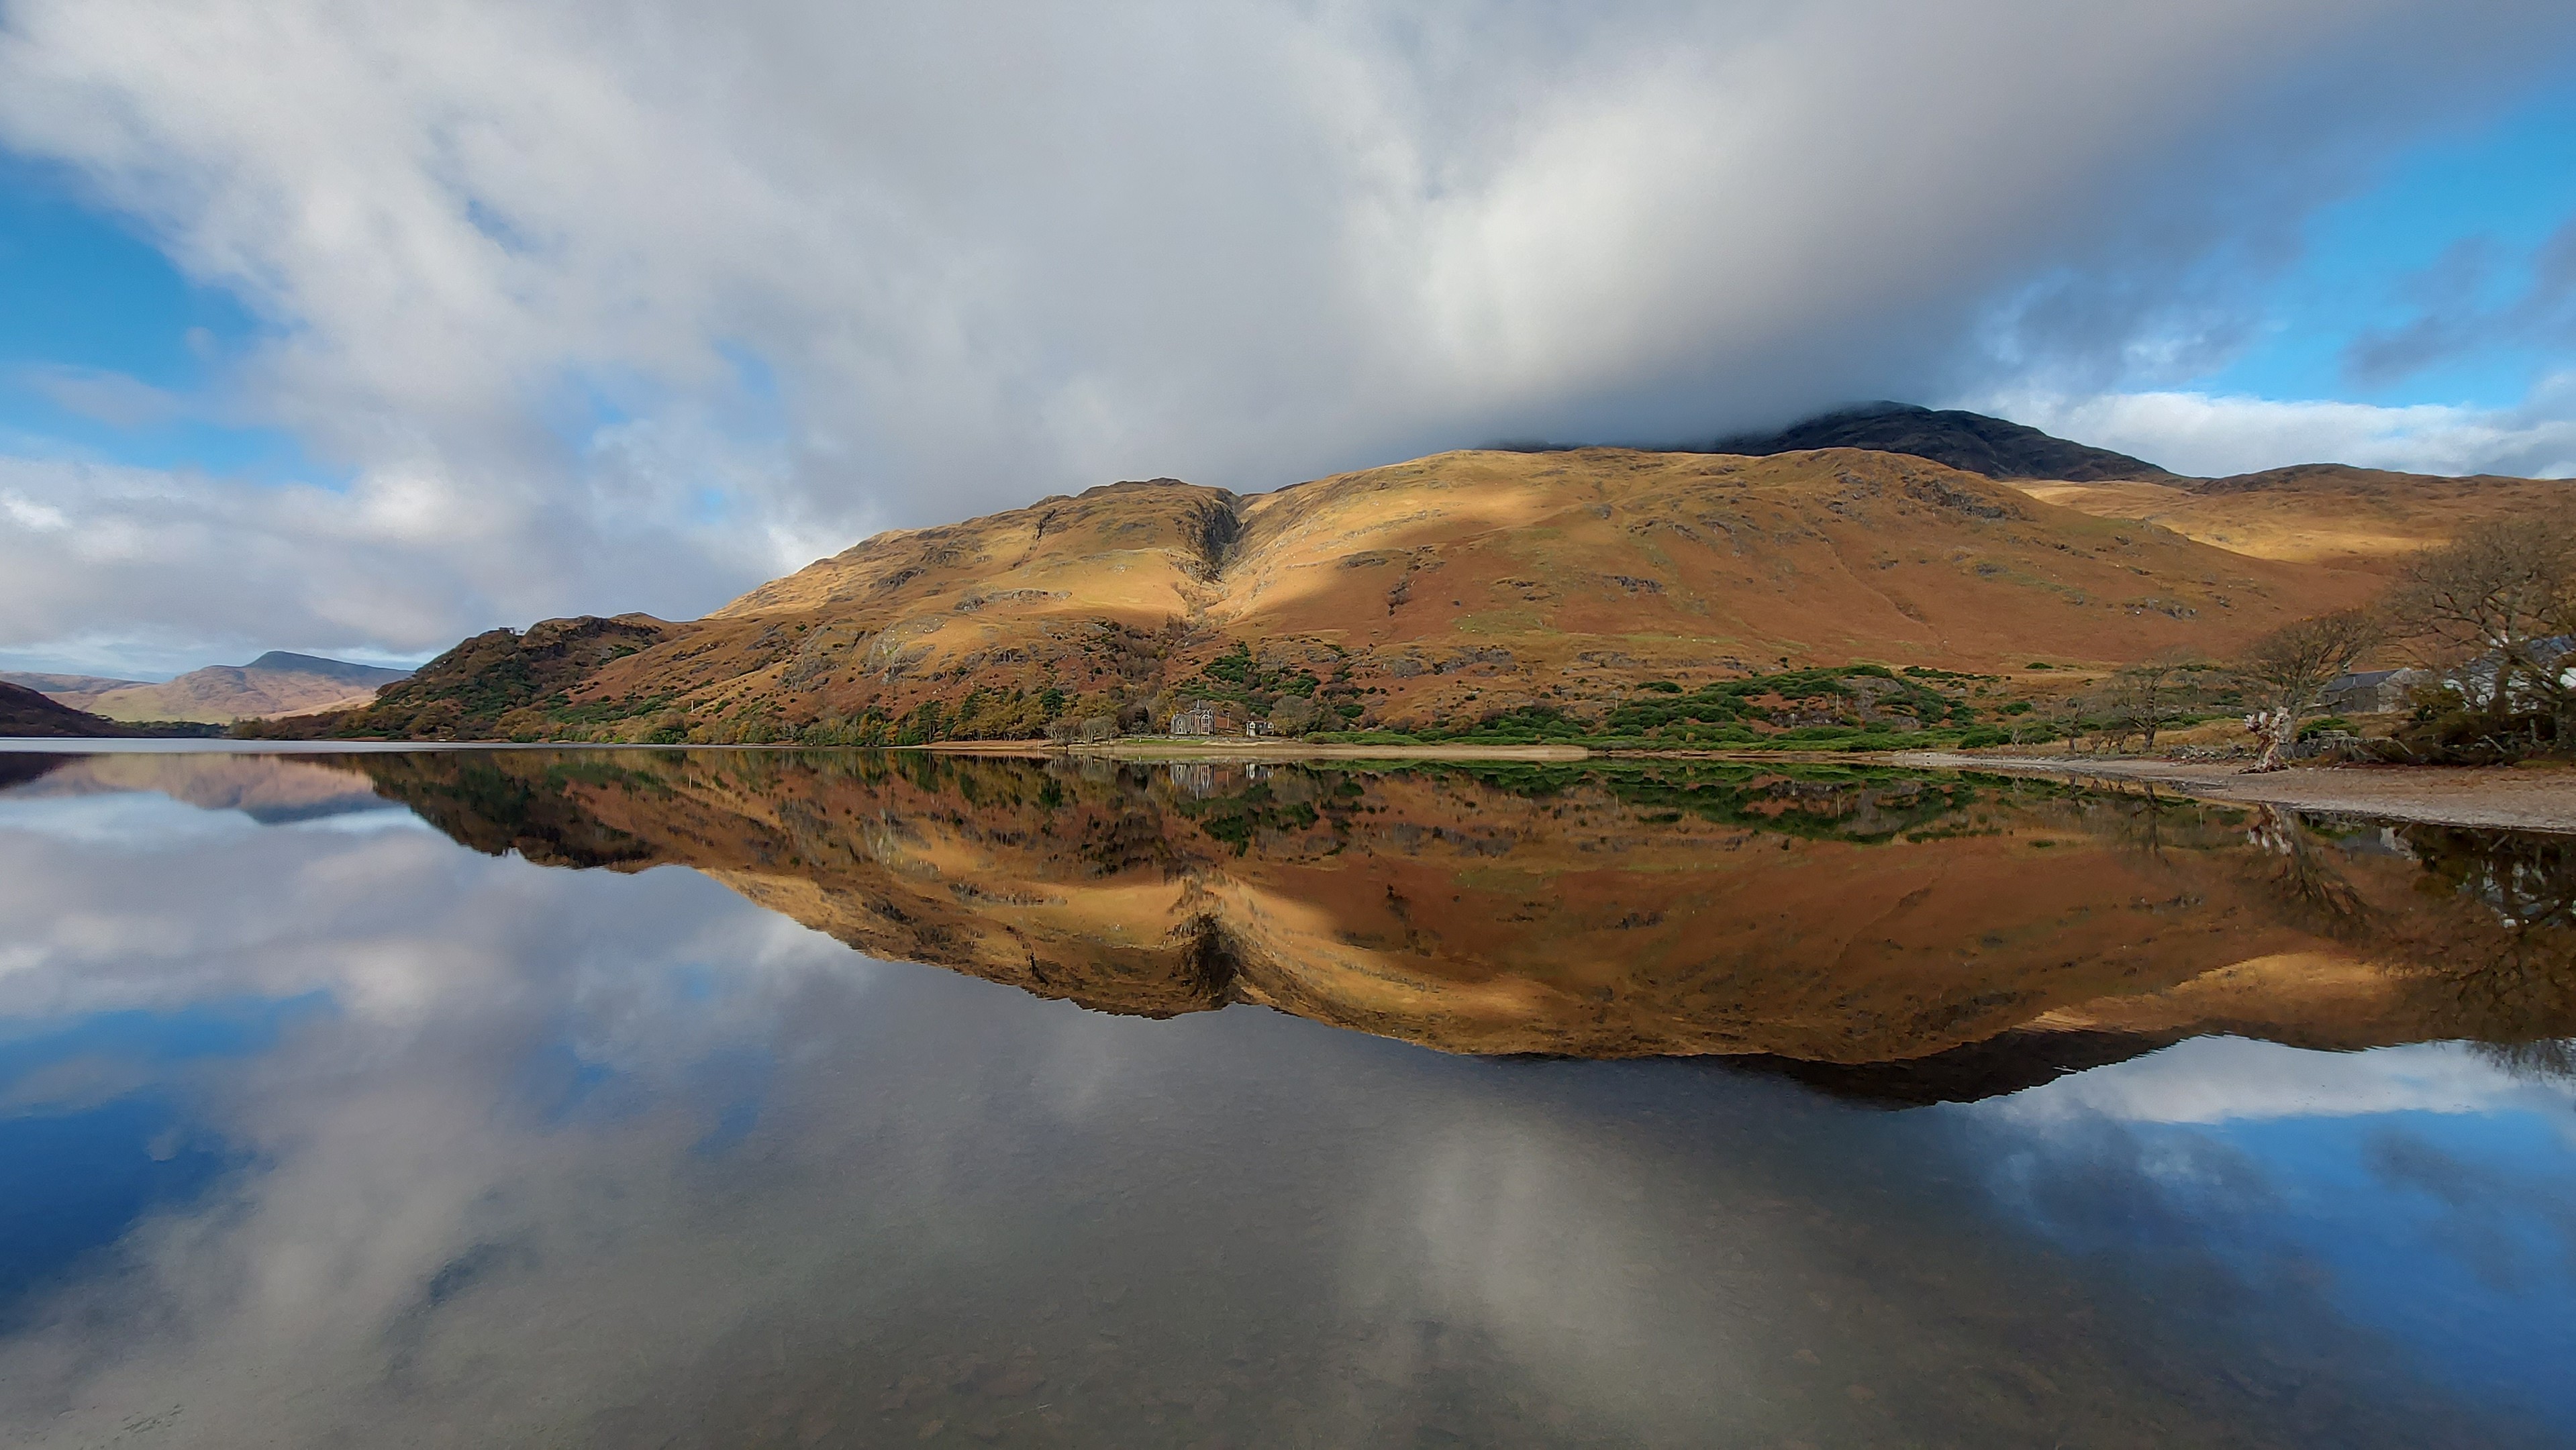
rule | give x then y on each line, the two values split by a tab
2195	433
596	301
152	567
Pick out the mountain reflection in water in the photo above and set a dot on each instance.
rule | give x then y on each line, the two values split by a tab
1993	931
320	1130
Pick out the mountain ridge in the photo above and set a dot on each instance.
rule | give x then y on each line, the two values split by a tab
1444	588
276	683
1970	442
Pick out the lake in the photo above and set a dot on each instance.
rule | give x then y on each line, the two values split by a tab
491	1097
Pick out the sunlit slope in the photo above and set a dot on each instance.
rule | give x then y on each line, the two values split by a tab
2327	514
1675	561
1069	593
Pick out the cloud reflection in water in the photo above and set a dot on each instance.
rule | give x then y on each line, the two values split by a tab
535	1154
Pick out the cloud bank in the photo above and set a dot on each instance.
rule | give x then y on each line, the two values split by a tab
606	307
2195	433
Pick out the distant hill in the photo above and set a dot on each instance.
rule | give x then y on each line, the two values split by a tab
1969	442
25	712
277	683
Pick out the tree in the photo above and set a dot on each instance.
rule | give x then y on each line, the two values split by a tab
1293	715
2492	611
2292	666
2066	716
2144	698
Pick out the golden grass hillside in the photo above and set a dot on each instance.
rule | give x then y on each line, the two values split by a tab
2343	518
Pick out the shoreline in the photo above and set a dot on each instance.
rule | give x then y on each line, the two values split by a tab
2522	798
2528	798
1164	748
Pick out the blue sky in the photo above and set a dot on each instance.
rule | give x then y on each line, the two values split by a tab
86	297
2475	201
348	338
2418	1191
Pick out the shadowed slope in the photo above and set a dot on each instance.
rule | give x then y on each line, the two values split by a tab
26	712
72	690
1971	442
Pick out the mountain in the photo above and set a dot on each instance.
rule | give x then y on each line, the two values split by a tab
1969	442
277	683
25	712
1450	588
1483	586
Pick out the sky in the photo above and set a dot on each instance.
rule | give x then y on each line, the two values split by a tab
348	331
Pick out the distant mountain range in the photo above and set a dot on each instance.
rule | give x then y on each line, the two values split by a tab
275	684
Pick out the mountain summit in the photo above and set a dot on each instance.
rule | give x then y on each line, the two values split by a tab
1969	442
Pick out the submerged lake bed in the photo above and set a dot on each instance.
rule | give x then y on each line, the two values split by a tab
854	1098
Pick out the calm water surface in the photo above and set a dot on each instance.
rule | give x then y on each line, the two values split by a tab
720	1098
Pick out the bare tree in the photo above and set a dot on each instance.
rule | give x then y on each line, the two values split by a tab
2292	667
2492	610
2069	710
2144	698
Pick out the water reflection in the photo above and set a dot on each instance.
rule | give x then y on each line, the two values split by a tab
1992	931
473	1150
